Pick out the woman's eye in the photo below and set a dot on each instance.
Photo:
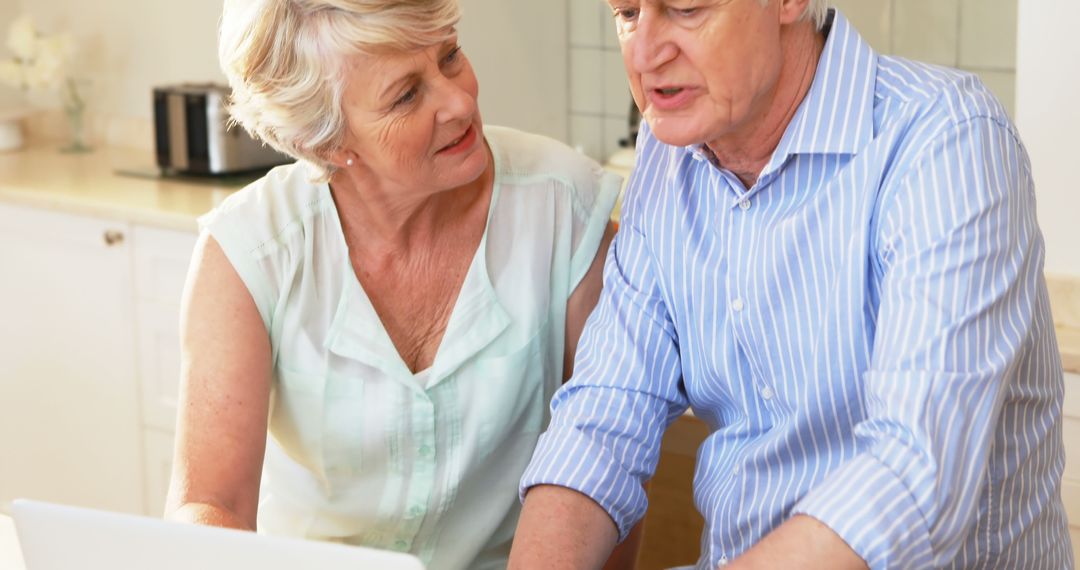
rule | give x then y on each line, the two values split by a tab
686	12
453	56
625	14
407	98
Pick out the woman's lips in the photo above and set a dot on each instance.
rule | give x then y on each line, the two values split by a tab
671	98
462	144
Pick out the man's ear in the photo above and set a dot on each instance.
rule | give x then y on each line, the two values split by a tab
792	11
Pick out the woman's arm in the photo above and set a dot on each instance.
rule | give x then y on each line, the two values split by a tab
583	300
580	306
224	397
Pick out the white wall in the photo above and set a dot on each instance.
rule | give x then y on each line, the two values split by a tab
9	10
1048	115
518	48
128	46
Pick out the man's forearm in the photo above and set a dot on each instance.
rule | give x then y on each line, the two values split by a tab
561	529
801	542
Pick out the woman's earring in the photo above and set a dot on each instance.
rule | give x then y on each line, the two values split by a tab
349	162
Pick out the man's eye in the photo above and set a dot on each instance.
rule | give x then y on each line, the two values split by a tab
686	12
625	14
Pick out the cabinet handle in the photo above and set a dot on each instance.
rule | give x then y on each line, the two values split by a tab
113	237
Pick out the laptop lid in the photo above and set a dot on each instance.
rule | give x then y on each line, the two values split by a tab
59	537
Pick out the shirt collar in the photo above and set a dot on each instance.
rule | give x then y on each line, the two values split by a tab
837	114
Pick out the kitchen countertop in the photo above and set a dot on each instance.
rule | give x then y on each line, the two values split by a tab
1069	345
88	184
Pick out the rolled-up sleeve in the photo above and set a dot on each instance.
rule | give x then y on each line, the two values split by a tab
960	257
608	420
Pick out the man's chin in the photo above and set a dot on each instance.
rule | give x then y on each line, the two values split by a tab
676	131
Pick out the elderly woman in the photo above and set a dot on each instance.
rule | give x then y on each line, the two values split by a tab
396	309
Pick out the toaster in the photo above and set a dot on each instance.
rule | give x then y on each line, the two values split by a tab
193	135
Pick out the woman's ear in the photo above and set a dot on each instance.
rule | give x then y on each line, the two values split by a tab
343	158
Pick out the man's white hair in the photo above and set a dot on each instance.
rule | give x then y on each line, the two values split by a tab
816	11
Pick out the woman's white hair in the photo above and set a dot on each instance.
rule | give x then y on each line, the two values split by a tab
286	63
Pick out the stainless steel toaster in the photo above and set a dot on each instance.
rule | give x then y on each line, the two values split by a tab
192	134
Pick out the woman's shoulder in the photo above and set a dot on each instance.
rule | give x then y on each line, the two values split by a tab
271	205
528	157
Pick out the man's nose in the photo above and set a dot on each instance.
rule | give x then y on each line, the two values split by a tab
649	44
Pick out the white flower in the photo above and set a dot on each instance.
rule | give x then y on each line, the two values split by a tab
39	60
47	69
12	73
23	38
42	74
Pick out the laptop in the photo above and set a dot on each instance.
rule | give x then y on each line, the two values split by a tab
59	537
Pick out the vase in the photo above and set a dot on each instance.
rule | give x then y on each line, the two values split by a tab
75	110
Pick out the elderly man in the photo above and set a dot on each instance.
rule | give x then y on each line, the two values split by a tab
832	257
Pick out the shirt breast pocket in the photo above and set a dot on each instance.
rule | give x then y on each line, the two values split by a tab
510	394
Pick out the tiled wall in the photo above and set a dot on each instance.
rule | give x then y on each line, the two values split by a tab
974	35
599	93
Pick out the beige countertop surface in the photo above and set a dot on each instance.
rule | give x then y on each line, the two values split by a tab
1069	344
91	184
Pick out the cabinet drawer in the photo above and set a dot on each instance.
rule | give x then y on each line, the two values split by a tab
161	263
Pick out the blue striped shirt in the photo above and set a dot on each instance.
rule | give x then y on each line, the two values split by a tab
866	332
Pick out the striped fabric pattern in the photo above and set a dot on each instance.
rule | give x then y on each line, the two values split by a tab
866	331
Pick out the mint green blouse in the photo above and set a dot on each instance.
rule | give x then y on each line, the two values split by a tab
359	451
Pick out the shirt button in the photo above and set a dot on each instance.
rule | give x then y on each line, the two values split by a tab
767	393
425	450
723	560
744	204
738	305
416	511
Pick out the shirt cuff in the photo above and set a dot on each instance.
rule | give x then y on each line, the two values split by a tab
569	459
873	511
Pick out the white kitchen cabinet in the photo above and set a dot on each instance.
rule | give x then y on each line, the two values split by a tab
70	426
158	449
89	358
161	261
